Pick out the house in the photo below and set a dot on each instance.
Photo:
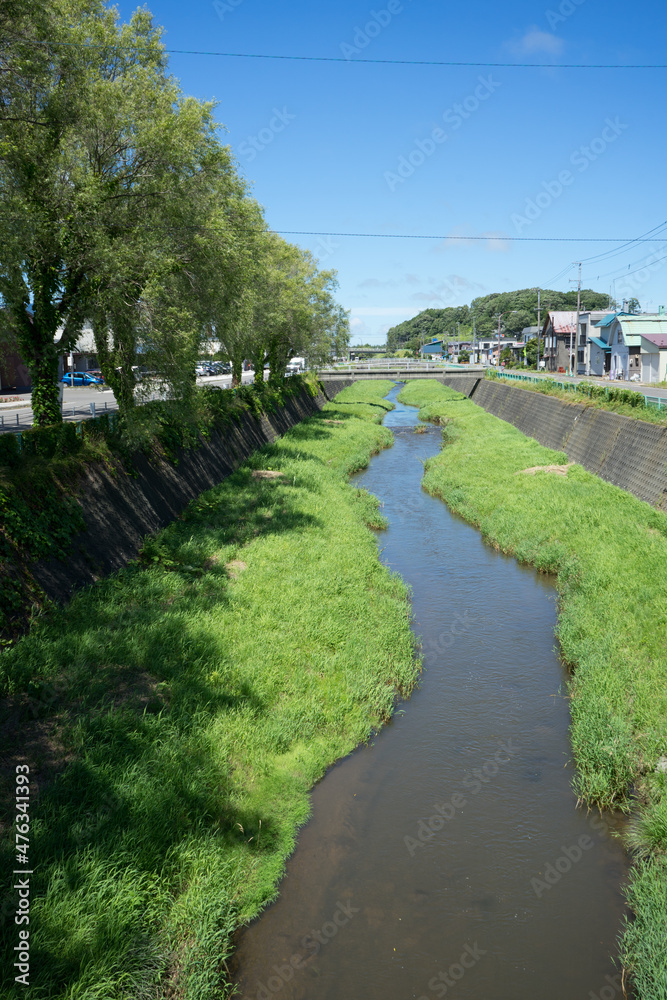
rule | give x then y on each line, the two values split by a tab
654	357
457	347
84	352
434	348
633	345
558	333
14	373
586	349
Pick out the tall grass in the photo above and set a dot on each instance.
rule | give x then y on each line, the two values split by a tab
608	551
627	402
176	715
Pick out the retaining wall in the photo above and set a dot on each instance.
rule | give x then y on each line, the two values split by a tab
630	453
121	509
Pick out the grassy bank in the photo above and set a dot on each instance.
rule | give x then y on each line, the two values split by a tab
609	552
627	402
175	716
44	470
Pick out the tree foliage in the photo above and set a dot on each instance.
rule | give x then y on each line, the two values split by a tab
121	208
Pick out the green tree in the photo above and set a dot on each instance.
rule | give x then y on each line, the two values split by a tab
154	170
293	311
45	96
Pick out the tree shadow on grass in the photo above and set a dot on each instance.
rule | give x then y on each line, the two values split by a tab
140	793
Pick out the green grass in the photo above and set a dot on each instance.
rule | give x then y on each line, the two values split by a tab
608	551
41	472
627	402
176	715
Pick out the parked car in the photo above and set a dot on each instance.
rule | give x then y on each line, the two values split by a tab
81	378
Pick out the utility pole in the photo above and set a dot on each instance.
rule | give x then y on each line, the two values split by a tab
573	361
473	338
538	328
498	361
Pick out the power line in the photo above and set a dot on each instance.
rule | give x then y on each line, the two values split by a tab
642	268
497	238
371	236
557	277
613	253
372	62
418	62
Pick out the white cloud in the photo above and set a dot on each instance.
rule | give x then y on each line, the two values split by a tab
492	240
536	40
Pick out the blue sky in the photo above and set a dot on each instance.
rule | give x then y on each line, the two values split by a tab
459	151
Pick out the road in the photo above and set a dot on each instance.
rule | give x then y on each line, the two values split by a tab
17	415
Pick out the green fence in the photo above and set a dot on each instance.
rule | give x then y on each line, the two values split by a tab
590	389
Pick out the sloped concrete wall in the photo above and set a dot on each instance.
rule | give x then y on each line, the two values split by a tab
630	453
462	383
332	386
120	509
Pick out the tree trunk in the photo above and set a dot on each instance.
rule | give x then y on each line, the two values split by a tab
237	372
116	361
278	361
45	390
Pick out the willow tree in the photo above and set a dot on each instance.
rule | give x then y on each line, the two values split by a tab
155	171
102	176
45	63
294	310
231	259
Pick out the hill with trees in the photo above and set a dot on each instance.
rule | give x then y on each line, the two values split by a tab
519	309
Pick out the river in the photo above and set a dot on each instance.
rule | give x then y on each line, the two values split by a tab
447	857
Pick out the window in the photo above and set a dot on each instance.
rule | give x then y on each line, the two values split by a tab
580	356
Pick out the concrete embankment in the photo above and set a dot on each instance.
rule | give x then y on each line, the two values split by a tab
630	453
120	509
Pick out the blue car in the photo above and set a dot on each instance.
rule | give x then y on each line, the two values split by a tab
81	378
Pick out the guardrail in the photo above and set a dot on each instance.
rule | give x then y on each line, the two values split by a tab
656	401
91	411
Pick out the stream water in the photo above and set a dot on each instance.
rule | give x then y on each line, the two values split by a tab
447	858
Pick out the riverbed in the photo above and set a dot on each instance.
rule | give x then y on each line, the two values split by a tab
448	856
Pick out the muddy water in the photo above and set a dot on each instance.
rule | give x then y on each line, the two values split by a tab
447	858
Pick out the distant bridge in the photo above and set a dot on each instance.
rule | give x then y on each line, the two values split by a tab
398	372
